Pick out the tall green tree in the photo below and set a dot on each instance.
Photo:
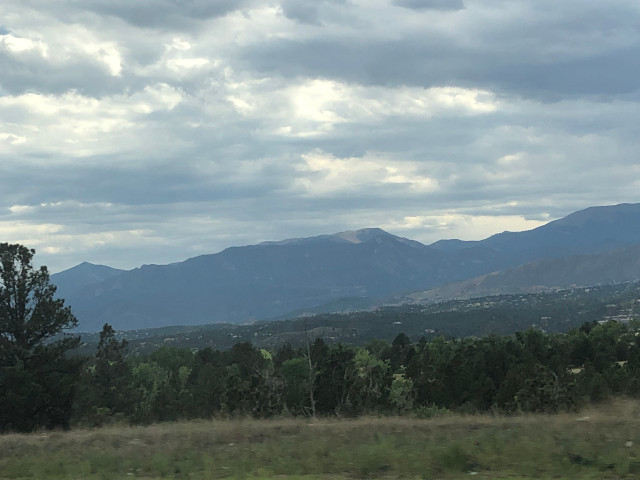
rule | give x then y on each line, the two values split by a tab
105	390
37	378
371	381
112	374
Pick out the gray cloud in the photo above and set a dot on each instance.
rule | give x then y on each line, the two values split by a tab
33	75
172	14
592	51
427	62
305	11
431	4
134	133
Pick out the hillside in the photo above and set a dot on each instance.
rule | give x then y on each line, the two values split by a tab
499	314
620	265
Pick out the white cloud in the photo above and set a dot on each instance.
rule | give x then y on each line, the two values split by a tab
179	44
316	107
18	45
443	225
76	125
323	174
21	208
181	64
30	234
107	53
11	139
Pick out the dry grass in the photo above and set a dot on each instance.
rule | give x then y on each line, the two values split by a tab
601	442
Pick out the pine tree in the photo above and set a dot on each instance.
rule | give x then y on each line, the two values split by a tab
37	378
112	373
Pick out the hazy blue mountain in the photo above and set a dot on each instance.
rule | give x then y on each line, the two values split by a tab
241	284
617	266
83	275
591	230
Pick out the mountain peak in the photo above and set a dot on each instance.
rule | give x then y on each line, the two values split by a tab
362	235
349	236
90	267
84	274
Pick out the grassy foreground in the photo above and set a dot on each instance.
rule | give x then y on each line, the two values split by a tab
602	442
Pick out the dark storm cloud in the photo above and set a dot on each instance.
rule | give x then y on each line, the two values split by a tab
594	51
431	4
301	11
164	13
30	73
429	62
306	11
165	182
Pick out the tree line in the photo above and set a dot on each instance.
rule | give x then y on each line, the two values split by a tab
530	371
43	385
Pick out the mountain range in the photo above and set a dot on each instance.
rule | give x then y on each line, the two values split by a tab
368	266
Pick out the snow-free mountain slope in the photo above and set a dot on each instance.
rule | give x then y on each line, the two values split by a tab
242	284
84	275
617	266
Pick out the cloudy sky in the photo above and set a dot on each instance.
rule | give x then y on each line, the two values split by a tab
151	131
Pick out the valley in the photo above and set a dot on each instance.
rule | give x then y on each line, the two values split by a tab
552	312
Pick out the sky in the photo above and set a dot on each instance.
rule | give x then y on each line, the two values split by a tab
151	131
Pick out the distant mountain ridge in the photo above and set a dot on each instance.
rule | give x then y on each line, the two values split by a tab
83	275
242	284
617	266
592	230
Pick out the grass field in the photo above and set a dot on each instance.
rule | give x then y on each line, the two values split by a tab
597	443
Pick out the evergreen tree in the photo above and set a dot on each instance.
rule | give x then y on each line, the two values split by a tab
37	379
112	375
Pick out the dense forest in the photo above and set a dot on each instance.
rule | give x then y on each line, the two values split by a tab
528	372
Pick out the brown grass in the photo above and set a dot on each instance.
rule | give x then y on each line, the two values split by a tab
599	442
